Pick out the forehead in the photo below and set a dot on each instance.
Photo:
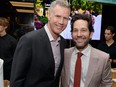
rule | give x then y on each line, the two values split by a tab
61	10
107	31
81	23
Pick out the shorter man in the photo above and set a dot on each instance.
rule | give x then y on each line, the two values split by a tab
95	65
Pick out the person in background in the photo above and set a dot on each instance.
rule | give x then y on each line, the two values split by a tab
95	64
7	47
39	55
109	45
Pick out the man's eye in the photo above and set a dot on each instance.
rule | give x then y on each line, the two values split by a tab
83	30
66	18
57	16
75	30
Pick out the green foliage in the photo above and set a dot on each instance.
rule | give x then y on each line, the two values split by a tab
38	0
85	4
43	19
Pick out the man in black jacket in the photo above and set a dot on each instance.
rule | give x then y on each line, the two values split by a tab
39	56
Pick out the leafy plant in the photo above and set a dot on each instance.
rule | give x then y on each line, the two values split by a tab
86	4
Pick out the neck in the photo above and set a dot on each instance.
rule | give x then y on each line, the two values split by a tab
55	36
110	42
3	33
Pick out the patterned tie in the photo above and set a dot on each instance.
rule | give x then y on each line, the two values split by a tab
77	76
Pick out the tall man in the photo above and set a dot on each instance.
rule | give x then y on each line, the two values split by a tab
95	64
39	56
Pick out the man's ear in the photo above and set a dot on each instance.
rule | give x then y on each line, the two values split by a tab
6	27
114	34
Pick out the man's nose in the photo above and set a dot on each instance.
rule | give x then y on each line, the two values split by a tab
61	21
79	33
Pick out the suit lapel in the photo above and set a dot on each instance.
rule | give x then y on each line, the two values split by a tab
48	47
68	54
51	59
62	56
91	68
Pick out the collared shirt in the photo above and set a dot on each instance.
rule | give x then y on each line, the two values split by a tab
55	48
85	63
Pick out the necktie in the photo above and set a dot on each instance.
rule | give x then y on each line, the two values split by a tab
77	75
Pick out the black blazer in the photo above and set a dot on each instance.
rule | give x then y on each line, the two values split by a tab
33	63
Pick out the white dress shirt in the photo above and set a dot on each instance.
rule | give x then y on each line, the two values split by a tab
55	48
85	63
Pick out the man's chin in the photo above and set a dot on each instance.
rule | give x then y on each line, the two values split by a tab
80	47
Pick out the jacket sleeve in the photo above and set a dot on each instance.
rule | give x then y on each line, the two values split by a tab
106	75
21	62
